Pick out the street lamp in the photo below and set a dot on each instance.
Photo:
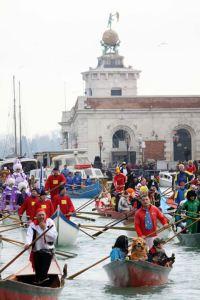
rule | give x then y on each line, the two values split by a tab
127	141
100	143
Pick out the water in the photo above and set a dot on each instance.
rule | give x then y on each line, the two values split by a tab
94	284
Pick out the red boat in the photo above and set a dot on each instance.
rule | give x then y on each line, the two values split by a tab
136	273
20	286
110	213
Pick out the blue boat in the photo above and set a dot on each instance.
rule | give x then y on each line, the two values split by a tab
89	191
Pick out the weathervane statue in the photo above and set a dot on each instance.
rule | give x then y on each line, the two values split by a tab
110	40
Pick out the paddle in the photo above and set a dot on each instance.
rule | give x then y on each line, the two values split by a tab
59	252
5	217
86	232
10	229
85	204
82	271
197	220
116	228
24	250
81	217
113	224
89	213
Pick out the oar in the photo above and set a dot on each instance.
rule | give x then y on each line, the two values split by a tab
117	228
10	229
85	204
86	233
82	271
81	217
89	213
8	225
24	250
107	227
5	217
18	243
197	220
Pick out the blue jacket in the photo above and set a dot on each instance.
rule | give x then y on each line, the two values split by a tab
117	254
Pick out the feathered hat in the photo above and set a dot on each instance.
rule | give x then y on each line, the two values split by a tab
17	165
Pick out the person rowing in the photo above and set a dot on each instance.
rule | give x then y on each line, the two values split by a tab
146	219
43	250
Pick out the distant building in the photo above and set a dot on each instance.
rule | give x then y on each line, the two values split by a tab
112	121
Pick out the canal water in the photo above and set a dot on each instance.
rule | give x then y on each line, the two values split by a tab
183	281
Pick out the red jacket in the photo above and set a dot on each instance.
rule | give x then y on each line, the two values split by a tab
66	205
46	205
53	182
119	182
29	207
191	169
139	220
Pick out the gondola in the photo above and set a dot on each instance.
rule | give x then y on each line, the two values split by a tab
67	230
136	273
189	239
20	286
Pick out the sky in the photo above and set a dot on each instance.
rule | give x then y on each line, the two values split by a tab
46	44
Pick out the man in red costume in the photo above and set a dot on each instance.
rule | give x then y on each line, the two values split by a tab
54	181
146	219
29	205
119	180
44	204
65	203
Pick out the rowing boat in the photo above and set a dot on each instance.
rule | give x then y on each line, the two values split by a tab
189	239
89	191
136	273
110	213
67	230
20	286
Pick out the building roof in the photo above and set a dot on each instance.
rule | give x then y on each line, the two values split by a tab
144	102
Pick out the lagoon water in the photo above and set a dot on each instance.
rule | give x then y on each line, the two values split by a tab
94	284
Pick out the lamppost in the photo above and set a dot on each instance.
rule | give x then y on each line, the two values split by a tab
141	147
127	141
100	143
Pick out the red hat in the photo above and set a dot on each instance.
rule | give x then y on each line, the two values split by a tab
40	210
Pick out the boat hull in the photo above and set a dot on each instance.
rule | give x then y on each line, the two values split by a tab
10	290
67	230
189	240
109	213
90	191
136	273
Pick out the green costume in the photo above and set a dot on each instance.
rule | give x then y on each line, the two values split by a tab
192	207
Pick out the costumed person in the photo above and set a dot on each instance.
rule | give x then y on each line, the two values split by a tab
69	182
45	204
120	249
64	202
180	194
54	181
182	176
88	181
22	193
9	195
123	205
119	180
154	196
29	205
191	167
43	250
18	173
77	181
192	208
146	219
123	168
65	171
157	254
3	176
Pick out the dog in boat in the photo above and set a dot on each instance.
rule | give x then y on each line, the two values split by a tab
138	249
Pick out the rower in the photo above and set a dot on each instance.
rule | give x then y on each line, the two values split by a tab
43	250
29	205
54	181
64	202
45	204
146	219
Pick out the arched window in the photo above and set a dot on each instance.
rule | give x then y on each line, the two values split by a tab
182	145
121	138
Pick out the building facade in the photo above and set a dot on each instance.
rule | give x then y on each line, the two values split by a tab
115	123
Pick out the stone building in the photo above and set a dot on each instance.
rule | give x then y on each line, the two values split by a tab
112	121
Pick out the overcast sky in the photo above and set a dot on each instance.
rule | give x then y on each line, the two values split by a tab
46	44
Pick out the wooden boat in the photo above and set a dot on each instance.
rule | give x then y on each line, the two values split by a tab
67	230
110	213
20	286
89	191
136	273
189	239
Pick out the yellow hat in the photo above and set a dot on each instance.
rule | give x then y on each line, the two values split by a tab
144	189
